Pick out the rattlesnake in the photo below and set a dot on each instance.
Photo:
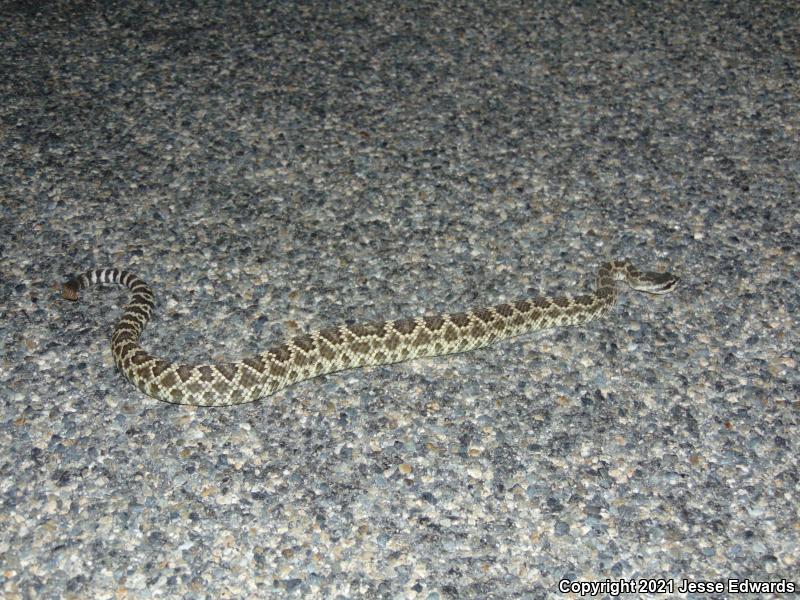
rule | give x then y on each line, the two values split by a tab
346	346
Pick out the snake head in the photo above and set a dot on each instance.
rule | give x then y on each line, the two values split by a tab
658	283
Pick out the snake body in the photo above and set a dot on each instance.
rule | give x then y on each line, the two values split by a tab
345	346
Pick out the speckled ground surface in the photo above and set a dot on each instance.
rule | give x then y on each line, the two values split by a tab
274	170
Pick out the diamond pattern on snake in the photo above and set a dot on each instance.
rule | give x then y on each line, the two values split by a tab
346	346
